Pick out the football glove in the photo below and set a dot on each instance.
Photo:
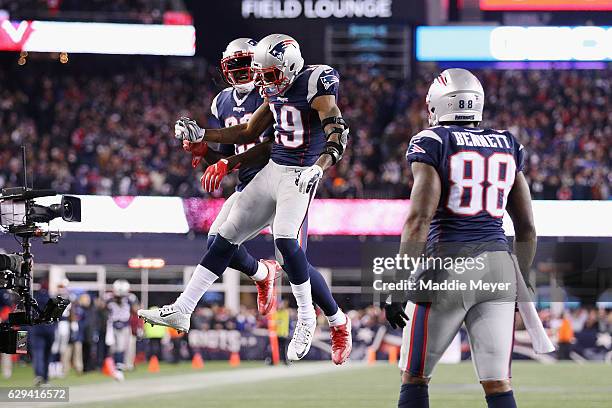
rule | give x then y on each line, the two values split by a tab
198	151
308	178
211	180
188	129
394	312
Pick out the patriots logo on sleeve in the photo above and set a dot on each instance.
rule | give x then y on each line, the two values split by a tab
329	80
413	149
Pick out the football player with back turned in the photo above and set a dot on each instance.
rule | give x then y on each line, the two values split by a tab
465	177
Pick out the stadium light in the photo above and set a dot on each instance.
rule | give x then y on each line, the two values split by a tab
146	263
97	38
546	5
513	43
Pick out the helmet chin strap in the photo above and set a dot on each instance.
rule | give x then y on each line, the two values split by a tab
244	88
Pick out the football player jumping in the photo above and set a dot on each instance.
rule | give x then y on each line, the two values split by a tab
231	106
279	195
464	178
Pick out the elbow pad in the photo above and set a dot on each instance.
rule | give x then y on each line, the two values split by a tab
336	149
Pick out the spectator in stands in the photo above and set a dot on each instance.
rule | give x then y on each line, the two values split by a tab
587	341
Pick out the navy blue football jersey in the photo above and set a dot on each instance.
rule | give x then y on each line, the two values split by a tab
299	138
229	108
477	169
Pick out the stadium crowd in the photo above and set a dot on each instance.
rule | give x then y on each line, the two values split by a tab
109	130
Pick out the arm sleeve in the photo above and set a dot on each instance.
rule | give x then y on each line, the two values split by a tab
519	152
520	157
214	122
425	147
324	80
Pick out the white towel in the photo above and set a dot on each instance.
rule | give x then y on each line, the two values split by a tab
539	339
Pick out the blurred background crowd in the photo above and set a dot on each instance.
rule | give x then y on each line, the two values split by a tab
107	128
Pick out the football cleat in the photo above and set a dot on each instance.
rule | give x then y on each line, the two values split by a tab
301	341
266	289
341	342
118	375
166	316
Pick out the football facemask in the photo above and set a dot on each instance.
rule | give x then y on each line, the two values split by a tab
237	68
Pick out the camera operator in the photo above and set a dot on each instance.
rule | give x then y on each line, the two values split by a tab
42	338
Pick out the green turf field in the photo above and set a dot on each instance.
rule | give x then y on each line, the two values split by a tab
563	385
23	375
537	386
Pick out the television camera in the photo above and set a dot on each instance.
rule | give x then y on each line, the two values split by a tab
21	216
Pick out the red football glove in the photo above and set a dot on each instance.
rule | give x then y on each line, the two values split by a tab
198	151
211	180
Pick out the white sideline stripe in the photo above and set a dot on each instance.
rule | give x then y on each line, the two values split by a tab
91	393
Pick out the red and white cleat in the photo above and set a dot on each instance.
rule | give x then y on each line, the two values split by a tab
341	342
266	289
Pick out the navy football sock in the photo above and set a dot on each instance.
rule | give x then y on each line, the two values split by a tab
218	256
210	240
501	400
414	396
295	263
241	261
320	292
119	360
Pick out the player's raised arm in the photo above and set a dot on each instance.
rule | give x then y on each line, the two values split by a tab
519	209
188	129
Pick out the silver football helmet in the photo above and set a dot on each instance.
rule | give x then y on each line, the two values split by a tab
456	95
236	64
276	63
121	287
